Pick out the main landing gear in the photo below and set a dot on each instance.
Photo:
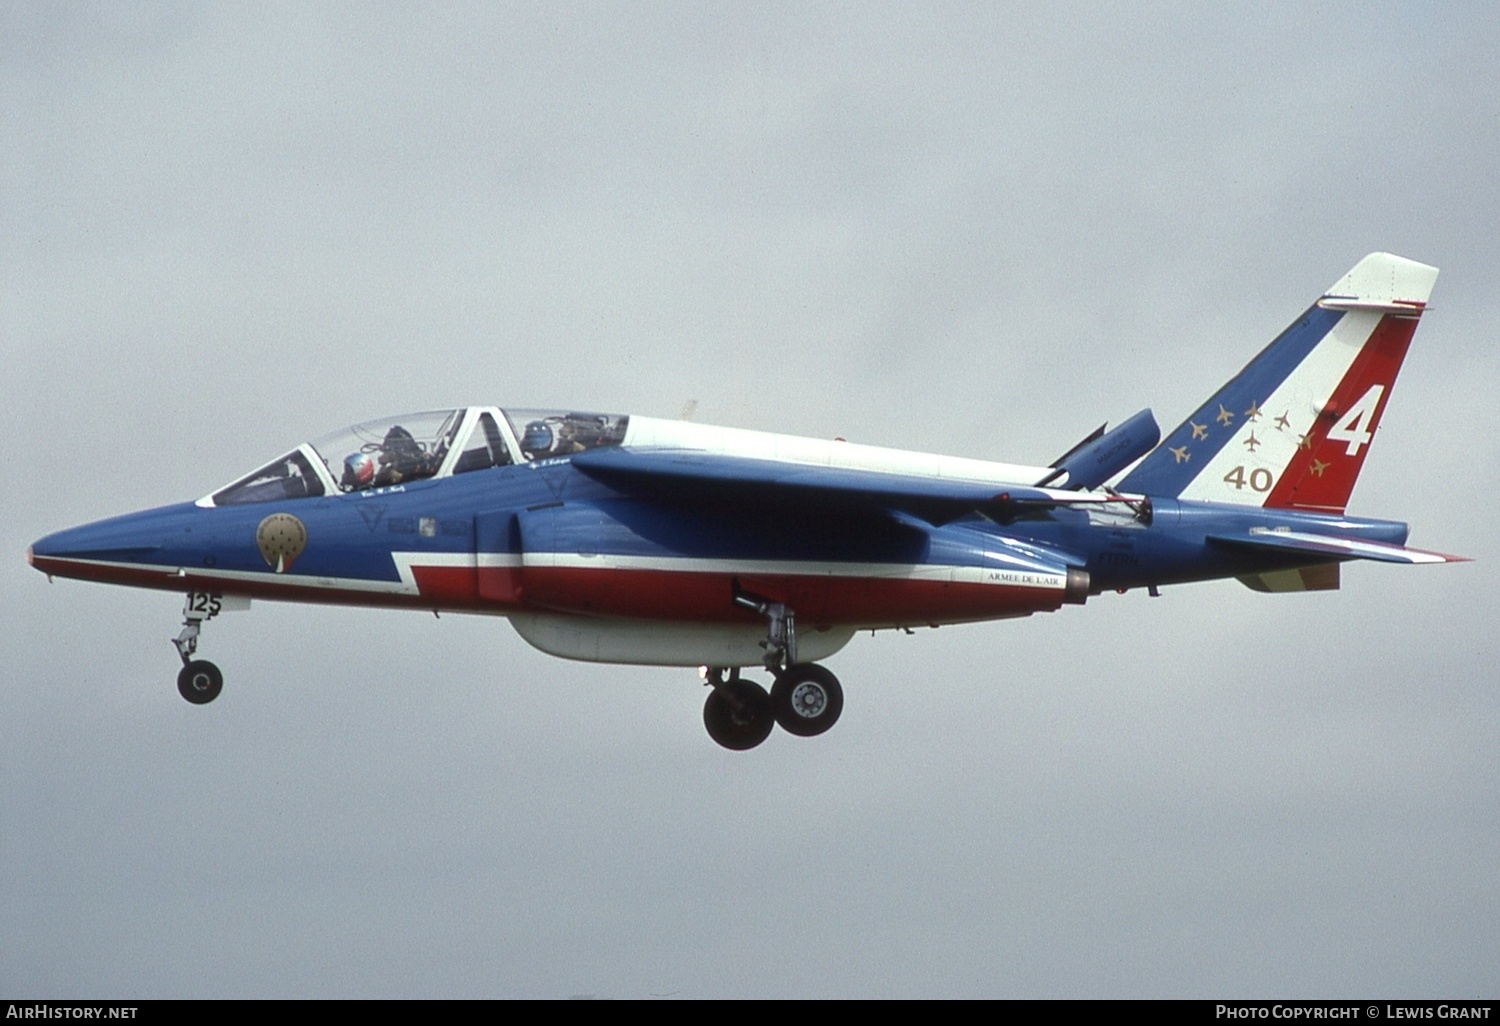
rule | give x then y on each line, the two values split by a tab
805	699
199	680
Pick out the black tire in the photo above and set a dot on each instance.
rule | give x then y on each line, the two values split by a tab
807	700
200	682
738	715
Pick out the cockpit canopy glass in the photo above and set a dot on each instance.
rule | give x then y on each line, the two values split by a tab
394	450
547	433
415	446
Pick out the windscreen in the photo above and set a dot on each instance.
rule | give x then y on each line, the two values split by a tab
290	477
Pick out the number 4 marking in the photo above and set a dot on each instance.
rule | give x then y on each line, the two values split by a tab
1357	426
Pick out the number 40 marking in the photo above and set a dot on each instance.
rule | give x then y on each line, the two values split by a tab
1259	479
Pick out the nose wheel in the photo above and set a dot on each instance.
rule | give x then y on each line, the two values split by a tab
200	681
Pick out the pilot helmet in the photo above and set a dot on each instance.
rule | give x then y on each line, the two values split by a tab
359	471
538	438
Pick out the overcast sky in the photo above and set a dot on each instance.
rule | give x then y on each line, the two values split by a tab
975	229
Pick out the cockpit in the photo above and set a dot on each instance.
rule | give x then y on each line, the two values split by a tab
418	446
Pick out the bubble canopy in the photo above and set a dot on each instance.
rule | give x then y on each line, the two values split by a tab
411	447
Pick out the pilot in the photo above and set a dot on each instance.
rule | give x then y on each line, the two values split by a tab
402	458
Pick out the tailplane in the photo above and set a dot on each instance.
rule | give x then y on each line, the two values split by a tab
1292	429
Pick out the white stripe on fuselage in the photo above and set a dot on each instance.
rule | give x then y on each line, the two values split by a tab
359	584
407	563
801	568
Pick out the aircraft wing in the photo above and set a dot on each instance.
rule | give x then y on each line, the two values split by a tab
696	475
1332	547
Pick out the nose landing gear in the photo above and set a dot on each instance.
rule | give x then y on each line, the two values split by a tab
199	681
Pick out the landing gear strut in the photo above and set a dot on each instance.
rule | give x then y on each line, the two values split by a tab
805	700
781	628
199	681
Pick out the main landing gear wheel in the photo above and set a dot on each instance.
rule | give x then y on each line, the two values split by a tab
200	682
806	699
738	714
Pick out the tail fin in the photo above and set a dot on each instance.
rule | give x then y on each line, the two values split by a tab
1292	429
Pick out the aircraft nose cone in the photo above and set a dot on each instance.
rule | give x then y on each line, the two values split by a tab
117	548
40	554
44	548
74	543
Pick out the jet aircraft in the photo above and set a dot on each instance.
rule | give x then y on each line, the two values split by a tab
626	539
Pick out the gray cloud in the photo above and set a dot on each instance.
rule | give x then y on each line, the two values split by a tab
966	229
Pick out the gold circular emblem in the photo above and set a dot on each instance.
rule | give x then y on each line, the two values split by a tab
281	538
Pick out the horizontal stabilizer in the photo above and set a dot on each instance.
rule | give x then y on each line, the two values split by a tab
1328	547
1105	453
690	475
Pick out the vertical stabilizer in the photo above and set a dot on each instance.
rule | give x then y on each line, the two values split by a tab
1292	429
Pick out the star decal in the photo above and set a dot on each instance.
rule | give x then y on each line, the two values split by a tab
1283	422
1317	468
1199	430
1253	413
1224	417
1180	453
1252	442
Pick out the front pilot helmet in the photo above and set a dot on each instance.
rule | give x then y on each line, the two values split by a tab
359	471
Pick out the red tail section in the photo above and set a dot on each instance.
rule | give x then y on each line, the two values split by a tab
1321	475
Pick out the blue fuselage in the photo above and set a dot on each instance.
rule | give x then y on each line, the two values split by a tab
544	536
